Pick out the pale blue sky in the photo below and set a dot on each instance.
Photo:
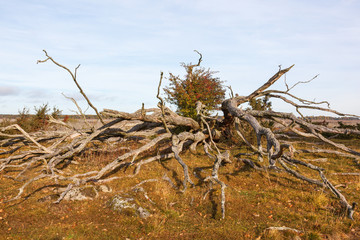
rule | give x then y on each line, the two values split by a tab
123	45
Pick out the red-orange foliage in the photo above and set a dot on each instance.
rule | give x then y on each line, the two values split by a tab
199	85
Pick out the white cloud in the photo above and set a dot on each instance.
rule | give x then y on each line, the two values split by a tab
123	45
8	90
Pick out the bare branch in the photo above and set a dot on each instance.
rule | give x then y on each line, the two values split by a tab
16	126
270	82
288	89
75	80
170	117
284	229
79	109
161	105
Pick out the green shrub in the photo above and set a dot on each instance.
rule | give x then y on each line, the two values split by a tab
38	121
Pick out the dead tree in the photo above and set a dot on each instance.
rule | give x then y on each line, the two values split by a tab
161	125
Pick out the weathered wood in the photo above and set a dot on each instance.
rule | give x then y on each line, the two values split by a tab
157	127
155	116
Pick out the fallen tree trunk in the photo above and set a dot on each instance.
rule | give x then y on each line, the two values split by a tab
166	135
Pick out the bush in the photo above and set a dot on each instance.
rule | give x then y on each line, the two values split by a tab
56	113
38	121
40	118
262	104
24	119
199	85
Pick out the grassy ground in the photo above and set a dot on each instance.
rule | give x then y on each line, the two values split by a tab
255	201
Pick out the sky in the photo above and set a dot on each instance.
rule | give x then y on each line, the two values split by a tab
123	46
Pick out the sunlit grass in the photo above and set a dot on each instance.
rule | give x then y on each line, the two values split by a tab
255	201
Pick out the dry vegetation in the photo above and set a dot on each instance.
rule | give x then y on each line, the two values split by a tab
238	177
256	200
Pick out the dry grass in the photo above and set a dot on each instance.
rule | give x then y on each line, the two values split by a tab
255	201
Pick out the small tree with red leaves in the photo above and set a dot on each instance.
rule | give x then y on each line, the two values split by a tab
199	85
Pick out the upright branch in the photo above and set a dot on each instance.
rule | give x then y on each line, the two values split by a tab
190	68
161	105
73	75
270	82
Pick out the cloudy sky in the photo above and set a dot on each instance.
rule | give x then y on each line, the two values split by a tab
123	45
